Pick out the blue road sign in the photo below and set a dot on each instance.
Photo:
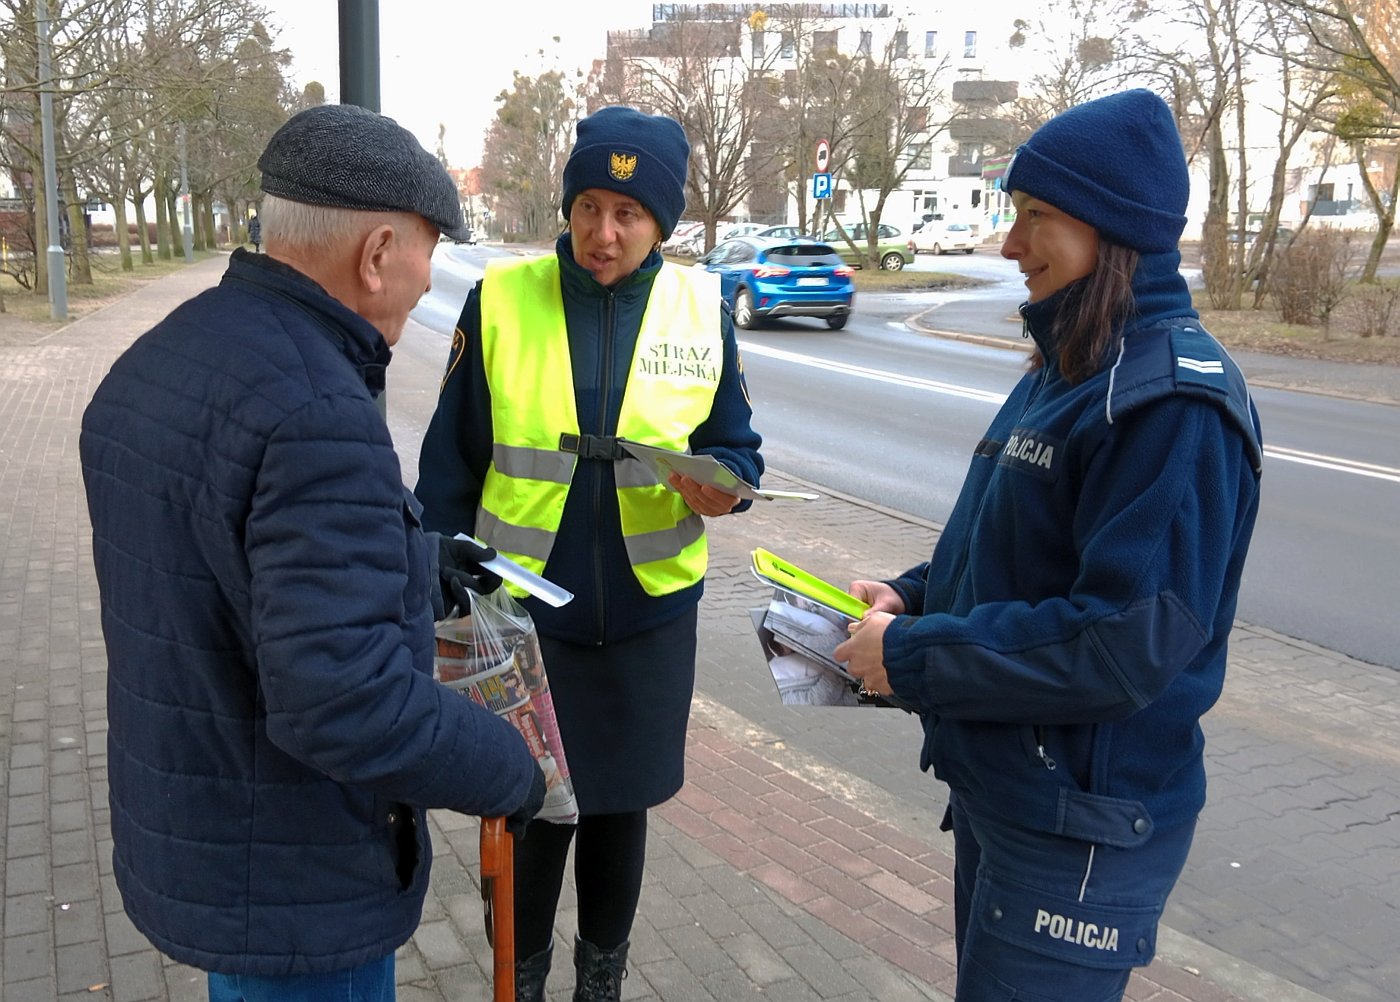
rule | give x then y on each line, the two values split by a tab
821	185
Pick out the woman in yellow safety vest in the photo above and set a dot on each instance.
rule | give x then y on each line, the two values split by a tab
553	360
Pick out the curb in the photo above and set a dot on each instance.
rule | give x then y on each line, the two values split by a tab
915	324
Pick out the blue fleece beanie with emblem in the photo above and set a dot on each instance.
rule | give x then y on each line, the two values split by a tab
1115	163
643	156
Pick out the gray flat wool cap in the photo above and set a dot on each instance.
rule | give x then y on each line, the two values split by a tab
352	158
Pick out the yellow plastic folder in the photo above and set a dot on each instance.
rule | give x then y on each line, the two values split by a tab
778	572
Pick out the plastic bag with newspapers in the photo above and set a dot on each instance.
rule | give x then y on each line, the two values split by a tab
492	655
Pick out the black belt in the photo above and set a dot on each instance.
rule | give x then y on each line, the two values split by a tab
593	446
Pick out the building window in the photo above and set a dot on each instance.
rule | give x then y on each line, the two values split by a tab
838	202
864	48
758	45
921	156
901	44
917	119
969	45
789	50
930	44
824	42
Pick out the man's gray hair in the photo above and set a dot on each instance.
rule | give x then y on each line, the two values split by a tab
314	227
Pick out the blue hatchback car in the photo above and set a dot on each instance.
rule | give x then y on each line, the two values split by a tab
782	277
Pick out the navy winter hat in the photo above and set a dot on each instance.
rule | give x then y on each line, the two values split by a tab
349	157
642	156
1115	163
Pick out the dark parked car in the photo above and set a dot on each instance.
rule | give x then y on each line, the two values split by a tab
782	277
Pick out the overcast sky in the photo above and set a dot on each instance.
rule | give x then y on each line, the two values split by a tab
444	61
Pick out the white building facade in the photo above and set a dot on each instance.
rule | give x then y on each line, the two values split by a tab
964	55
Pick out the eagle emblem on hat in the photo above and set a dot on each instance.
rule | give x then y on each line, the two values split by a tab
621	166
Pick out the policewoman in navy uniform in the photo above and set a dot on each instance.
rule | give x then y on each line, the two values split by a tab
554	358
1070	629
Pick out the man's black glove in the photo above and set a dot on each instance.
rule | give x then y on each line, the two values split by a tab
460	572
520	817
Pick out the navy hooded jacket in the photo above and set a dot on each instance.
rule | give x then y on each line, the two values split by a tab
274	730
1074	616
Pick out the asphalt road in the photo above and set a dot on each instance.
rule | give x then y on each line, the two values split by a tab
884	412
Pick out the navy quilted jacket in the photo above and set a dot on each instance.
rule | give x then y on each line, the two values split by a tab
274	732
1071	627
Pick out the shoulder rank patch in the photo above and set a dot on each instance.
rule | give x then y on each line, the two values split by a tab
1198	358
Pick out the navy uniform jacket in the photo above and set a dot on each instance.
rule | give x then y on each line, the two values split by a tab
589	557
274	730
1073	620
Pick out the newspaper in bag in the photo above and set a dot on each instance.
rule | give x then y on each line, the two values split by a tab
493	656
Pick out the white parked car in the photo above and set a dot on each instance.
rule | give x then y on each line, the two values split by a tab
737	230
683	238
937	237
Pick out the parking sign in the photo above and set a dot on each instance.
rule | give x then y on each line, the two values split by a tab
821	185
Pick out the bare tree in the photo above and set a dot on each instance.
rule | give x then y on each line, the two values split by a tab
697	72
1240	67
124	73
892	124
525	151
1078	39
1358	43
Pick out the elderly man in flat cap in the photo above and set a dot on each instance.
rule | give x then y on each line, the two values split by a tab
268	593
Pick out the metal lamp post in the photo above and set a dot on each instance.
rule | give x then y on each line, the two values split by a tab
359	74
58	272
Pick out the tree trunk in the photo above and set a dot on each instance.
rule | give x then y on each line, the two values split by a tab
123	236
80	267
1378	242
211	225
162	223
200	239
177	228
1384	208
41	236
143	230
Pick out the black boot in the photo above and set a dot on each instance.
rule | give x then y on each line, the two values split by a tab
530	975
599	972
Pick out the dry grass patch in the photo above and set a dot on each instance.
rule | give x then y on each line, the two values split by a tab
109	284
1342	341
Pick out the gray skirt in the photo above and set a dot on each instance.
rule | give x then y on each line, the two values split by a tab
623	709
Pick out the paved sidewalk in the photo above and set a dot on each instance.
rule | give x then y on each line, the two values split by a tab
802	860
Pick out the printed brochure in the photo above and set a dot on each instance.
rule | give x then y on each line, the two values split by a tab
799	631
705	470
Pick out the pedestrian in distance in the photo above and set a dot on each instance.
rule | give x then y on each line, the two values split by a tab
268	594
554	358
1070	629
255	233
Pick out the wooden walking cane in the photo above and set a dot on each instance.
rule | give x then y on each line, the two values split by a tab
498	896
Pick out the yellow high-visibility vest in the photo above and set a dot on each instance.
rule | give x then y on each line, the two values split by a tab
670	390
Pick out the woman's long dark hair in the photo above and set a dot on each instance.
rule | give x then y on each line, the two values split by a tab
1090	320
